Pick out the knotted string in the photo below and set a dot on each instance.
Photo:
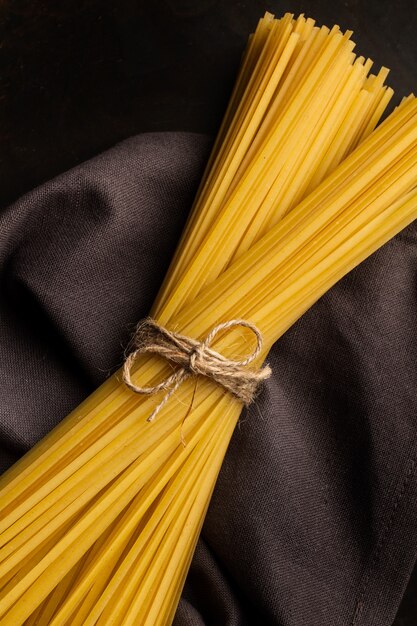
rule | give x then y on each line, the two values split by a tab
195	358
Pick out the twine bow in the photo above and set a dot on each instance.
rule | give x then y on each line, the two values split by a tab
195	358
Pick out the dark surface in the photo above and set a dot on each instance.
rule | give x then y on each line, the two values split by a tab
79	76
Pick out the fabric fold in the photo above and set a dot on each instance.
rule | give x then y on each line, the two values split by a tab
313	520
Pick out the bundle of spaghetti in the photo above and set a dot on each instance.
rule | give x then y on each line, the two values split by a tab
316	103
99	521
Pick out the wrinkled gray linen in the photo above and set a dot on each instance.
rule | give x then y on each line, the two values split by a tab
314	518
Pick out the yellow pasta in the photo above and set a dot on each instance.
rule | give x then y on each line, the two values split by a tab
99	521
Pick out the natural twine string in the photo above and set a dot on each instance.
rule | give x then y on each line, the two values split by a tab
195	358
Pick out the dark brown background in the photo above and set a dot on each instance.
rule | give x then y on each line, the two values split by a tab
79	76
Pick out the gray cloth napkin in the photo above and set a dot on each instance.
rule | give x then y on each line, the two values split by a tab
314	518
